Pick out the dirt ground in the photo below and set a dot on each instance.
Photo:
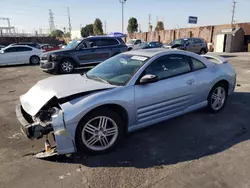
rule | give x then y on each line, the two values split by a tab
195	150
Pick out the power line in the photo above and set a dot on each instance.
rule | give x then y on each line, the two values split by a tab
105	26
149	22
233	12
69	20
51	21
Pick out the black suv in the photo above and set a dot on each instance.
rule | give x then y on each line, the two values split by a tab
90	50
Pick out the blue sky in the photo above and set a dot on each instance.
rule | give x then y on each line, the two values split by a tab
29	15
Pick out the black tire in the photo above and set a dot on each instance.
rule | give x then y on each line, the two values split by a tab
129	49
34	60
210	99
203	51
66	70
81	147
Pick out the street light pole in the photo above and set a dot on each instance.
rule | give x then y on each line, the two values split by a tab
122	2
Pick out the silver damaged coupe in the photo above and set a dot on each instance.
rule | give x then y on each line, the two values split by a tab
93	111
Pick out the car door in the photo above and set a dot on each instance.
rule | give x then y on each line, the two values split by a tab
23	54
198	45
8	56
105	48
86	52
190	46
169	96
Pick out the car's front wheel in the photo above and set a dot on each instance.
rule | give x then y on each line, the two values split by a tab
67	66
99	132
217	98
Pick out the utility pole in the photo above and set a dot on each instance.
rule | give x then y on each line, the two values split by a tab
105	26
122	2
51	21
149	22
233	12
69	21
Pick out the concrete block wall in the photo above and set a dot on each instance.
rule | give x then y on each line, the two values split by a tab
206	32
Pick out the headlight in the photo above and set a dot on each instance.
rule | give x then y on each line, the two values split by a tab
54	112
53	57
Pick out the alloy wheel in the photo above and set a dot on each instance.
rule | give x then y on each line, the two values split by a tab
35	60
99	133
218	98
67	67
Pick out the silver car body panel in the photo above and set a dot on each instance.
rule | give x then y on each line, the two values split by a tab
57	86
145	104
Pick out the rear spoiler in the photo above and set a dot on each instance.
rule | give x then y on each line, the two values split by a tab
216	57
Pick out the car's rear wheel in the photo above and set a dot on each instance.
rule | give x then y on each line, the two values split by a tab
217	98
34	60
67	66
203	51
99	132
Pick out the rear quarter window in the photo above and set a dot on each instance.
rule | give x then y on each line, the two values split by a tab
197	65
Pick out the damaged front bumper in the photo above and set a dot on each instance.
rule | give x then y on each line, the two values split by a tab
31	129
35	130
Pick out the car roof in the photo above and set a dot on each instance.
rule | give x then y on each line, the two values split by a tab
14	45
102	37
149	52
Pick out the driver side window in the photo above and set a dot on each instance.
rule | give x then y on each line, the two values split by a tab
169	66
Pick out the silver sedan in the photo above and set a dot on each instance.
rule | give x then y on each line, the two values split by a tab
93	111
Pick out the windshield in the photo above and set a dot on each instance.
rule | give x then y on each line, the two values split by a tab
178	42
72	44
131	41
117	70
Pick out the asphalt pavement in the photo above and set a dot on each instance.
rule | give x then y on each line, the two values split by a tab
198	149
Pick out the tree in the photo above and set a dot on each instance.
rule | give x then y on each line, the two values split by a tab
98	30
67	34
151	28
159	26
57	33
87	30
132	25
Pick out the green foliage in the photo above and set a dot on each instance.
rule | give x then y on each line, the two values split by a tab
68	35
132	25
87	30
97	27
57	33
151	27
159	26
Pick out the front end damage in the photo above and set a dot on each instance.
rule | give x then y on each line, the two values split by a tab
48	120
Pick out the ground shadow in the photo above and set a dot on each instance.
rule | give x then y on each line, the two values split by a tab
185	138
228	56
19	65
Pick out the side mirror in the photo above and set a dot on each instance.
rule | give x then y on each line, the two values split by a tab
148	78
91	44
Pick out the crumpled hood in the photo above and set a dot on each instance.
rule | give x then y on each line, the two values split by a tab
60	87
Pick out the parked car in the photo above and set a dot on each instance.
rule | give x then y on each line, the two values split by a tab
92	112
49	47
196	45
90	50
132	43
147	45
34	45
1	46
20	54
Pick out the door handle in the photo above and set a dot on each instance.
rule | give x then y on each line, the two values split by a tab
190	82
